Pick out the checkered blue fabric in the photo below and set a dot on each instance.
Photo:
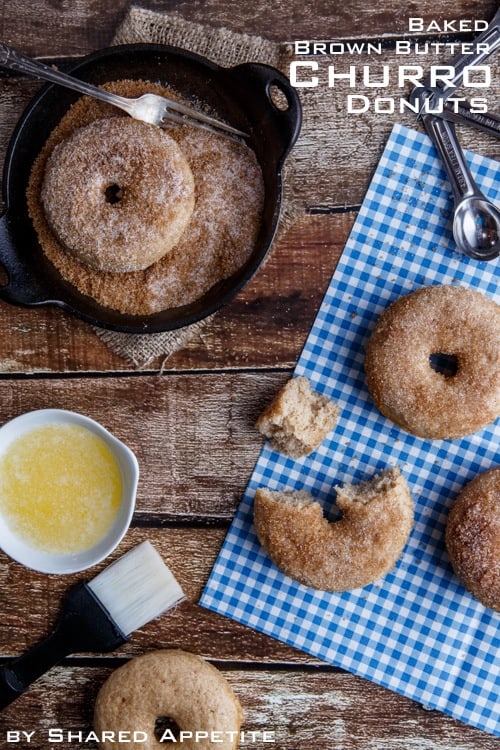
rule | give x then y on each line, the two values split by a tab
416	631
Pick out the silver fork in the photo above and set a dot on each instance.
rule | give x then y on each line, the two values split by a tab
151	108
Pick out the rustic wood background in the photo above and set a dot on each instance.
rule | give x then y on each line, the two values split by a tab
190	421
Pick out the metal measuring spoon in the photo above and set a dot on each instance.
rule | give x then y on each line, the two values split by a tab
476	223
464	115
487	43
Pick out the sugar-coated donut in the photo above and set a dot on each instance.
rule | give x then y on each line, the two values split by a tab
473	537
346	554
174	684
118	194
461	324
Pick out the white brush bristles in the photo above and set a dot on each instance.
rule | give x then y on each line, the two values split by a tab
137	588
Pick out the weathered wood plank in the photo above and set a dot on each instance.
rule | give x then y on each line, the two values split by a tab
287	310
190	553
193	435
266	325
306	710
36	26
348	158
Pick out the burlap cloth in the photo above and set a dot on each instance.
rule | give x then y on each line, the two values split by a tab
226	48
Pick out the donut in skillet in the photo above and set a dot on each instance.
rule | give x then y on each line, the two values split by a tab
118	194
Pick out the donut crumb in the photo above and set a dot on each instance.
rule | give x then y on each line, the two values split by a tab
298	419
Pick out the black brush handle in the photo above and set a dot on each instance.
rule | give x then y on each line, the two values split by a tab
84	625
19	673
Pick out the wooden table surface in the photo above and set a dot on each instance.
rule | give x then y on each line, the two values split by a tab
190	421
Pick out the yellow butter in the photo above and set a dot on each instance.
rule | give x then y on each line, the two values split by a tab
60	488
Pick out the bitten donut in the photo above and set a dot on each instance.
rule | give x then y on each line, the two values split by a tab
174	684
118	194
473	537
458	324
346	554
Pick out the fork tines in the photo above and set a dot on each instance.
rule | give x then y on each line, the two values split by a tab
184	115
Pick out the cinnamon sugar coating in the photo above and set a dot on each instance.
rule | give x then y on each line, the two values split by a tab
219	239
447	320
118	194
473	537
346	554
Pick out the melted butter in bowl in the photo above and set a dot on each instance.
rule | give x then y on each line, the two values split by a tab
60	488
67	490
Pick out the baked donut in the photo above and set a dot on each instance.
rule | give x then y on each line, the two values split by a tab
298	419
174	684
473	537
459	324
118	194
346	554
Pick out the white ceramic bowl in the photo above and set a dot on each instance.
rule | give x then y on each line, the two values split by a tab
47	562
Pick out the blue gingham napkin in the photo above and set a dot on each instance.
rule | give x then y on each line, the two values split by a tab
416	631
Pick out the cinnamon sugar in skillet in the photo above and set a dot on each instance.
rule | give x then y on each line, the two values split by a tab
219	239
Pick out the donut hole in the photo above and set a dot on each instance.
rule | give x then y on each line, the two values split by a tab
444	364
333	513
113	193
166	730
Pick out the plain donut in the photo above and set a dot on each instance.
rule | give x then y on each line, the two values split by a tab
355	551
473	537
454	321
118	194
168	683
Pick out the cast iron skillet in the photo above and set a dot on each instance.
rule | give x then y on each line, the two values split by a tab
240	95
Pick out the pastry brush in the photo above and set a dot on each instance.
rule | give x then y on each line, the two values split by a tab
98	615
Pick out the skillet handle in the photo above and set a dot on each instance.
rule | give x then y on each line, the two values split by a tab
21	288
273	97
